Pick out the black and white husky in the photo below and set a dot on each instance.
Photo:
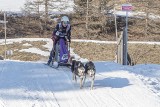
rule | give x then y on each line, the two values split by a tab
78	69
90	71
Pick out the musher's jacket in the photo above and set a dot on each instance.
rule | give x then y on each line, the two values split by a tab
65	30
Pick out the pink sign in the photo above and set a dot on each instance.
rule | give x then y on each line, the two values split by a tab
126	7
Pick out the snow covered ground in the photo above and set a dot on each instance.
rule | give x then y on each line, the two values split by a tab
33	84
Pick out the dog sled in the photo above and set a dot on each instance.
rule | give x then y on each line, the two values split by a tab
62	53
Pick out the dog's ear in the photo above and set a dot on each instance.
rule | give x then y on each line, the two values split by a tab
91	63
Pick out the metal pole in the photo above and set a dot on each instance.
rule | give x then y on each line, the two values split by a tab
126	39
5	32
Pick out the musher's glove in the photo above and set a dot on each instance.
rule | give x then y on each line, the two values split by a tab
57	33
69	38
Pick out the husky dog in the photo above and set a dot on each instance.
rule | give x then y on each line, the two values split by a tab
78	69
90	71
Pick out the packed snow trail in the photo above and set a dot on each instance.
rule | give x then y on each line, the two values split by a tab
31	84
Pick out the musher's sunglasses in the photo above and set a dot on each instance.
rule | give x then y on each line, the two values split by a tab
66	22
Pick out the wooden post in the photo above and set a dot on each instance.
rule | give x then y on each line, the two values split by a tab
115	20
5	33
46	13
120	48
87	17
146	18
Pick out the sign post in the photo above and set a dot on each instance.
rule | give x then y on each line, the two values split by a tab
127	8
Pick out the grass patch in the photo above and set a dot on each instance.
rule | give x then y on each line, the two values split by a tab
140	53
93	51
24	56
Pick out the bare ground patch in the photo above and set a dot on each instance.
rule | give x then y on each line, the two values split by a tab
24	56
140	53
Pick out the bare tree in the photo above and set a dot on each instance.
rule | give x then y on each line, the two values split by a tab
152	11
93	11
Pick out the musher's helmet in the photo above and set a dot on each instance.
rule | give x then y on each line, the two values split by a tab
65	19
